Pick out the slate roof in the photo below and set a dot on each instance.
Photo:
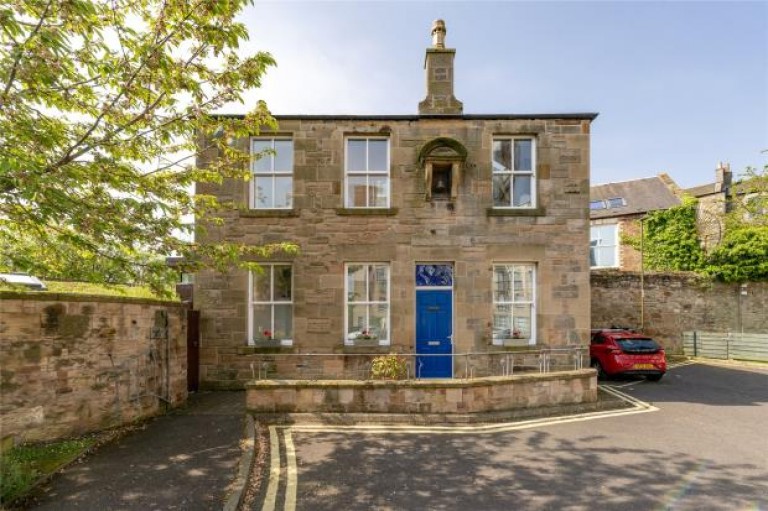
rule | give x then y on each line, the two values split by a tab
701	190
640	196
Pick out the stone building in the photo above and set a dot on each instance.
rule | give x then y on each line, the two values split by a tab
440	232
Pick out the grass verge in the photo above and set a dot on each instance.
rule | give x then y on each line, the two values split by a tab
21	467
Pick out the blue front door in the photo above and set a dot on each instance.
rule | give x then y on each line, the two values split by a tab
434	326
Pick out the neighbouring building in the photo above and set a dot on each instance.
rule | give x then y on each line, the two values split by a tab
440	232
616	209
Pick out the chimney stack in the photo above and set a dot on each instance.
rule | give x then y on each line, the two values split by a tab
438	64
723	177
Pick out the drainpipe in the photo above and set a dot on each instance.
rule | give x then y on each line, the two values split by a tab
642	274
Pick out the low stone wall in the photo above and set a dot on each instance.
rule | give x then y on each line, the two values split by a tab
675	303
491	394
70	364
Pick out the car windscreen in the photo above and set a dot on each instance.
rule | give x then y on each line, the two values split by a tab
638	345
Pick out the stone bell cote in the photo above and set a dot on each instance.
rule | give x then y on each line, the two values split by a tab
438	64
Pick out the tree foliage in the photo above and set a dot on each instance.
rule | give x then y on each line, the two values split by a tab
671	241
101	105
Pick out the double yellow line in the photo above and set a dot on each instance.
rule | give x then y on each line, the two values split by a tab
276	468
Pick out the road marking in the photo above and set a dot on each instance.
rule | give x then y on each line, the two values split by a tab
637	407
290	455
274	470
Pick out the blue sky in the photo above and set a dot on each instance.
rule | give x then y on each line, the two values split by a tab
679	86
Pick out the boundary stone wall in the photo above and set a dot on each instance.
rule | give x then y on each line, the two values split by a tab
489	394
677	302
70	364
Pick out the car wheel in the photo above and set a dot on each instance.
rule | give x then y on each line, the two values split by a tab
654	377
601	374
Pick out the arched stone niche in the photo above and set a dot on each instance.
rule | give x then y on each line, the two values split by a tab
443	160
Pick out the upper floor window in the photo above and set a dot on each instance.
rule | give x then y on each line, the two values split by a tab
367	173
272	173
603	246
514	172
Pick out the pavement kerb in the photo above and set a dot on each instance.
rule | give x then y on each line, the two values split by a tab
248	445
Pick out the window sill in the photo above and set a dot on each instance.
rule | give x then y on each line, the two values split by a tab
513	345
266	347
366	211
365	347
268	213
516	211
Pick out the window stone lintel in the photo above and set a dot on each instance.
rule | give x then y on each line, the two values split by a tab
366	211
268	213
539	211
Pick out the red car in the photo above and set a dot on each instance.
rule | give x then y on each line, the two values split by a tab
615	352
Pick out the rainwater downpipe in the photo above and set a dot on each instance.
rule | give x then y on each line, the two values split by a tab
642	274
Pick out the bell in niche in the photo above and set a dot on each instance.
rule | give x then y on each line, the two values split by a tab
441	186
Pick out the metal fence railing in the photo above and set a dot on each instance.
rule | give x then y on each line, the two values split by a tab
347	366
726	345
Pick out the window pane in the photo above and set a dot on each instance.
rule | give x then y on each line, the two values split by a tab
377	155
261	285
282	276
357	322
283	322
263	192
523	155
502	155
606	256
378	191
262	322
283	192
501	190
356	192
522	191
502	284
377	287
502	322
356	155
521	322
523	283
283	155
263	164
356	283
378	316
608	235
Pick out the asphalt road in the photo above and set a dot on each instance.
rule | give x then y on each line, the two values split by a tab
703	447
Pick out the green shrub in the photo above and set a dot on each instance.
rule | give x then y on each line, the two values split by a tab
389	367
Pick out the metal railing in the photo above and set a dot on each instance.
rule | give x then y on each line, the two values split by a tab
348	366
726	345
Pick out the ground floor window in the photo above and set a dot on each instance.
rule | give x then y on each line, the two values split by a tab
271	304
514	300
367	303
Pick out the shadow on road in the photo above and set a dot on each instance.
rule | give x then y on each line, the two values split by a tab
525	470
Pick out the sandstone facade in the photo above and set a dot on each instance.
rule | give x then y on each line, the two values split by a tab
466	232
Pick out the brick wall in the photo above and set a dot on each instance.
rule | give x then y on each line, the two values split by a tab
71	364
677	302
